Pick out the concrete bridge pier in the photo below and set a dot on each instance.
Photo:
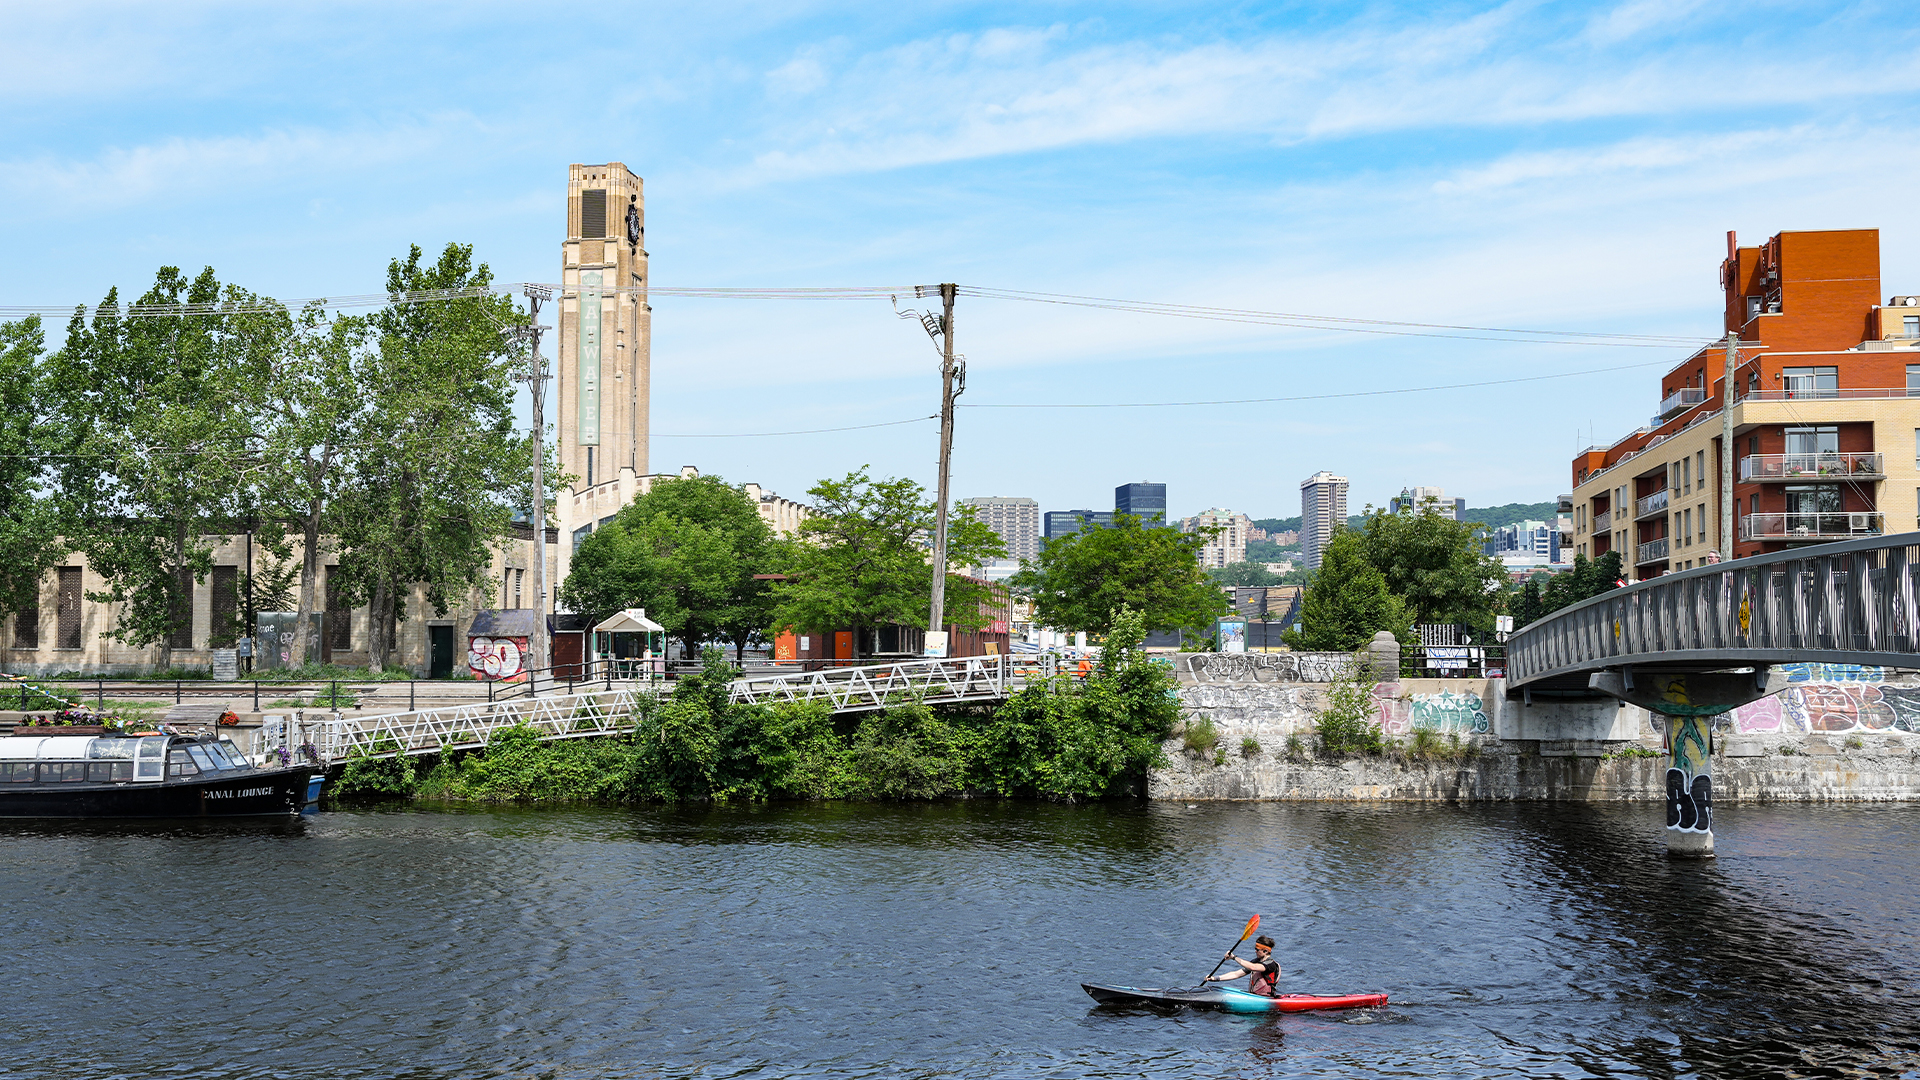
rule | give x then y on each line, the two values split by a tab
1689	701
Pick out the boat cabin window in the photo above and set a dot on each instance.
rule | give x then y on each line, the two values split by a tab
152	761
16	772
112	749
103	772
179	764
235	759
64	772
203	757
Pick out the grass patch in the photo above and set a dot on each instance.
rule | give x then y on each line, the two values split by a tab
1199	737
1631	752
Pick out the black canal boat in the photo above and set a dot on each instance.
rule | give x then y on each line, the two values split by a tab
143	776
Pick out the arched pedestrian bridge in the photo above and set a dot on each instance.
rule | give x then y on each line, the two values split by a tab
1677	643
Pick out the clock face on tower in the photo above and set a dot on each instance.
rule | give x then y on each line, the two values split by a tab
633	224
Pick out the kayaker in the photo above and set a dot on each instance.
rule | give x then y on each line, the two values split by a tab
1263	967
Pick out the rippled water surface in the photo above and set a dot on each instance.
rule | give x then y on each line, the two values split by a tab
950	940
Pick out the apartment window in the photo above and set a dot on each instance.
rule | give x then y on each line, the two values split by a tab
1755	504
519	582
1753	306
1910	326
1811	441
1913	380
1813	499
1702	519
1753	443
1818	382
1686	525
506	587
1700	468
580	534
1686	474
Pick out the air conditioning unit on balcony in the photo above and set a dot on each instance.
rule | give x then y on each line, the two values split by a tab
1860	522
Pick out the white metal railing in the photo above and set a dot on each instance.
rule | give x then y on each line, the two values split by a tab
1648	505
1830	526
1652	551
878	686
600	711
1810	466
1603	521
1684	398
1827	394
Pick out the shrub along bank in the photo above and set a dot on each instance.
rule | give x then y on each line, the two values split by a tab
1060	740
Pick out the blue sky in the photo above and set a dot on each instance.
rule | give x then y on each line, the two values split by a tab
1564	166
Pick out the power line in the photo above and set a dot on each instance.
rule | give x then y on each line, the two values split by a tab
1294	320
1300	397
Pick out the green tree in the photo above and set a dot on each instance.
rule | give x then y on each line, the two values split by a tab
1244	574
862	560
1079	581
687	550
154	415
1439	566
1586	579
1348	601
442	468
32	538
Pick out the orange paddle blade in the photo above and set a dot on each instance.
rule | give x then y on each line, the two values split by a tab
1252	925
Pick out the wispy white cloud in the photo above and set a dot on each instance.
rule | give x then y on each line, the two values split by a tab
1635	17
1010	91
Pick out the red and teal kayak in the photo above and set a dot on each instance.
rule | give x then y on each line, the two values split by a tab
1229	999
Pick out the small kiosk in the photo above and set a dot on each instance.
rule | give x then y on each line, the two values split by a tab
631	646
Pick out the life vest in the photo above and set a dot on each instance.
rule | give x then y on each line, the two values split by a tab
1263	981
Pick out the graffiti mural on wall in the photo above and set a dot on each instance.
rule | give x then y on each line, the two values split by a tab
1445	712
1825	698
497	659
1266	667
1689	786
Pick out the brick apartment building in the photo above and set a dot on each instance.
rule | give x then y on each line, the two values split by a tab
1825	410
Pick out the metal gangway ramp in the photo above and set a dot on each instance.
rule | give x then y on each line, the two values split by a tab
866	687
606	710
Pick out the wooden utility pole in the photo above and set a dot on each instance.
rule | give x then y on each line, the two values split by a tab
536	376
1727	509
937	618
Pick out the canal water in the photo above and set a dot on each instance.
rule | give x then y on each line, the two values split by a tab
950	940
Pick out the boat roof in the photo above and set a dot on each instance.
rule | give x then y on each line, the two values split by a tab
20	747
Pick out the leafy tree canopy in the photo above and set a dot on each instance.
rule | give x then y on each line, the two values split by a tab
1437	565
862	559
31	538
1079	581
1349	601
687	551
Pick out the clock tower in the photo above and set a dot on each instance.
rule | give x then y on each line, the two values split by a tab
605	333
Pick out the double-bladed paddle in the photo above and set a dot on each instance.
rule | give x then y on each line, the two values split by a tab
1252	925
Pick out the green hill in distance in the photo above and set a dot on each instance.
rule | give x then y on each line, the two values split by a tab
1491	516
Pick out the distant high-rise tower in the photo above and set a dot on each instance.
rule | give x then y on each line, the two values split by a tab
1415	499
1015	521
1323	509
1148	502
1067	522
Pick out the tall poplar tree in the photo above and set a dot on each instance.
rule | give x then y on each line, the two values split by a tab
32	536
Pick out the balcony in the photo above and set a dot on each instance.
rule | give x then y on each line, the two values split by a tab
1651	505
1766	468
1680	401
1841	526
1652	551
1603	521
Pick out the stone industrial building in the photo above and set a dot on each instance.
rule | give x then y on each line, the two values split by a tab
1323	510
601	393
1825	407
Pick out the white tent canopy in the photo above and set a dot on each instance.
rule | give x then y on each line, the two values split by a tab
630	621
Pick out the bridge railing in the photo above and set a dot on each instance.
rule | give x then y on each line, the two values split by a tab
876	686
1852	602
430	731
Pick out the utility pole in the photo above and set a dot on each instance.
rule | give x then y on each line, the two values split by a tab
1726	448
535	375
937	618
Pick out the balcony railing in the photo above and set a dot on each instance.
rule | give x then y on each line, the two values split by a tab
1652	551
1603	521
1811	467
1827	394
1839	526
1680	401
1650	505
